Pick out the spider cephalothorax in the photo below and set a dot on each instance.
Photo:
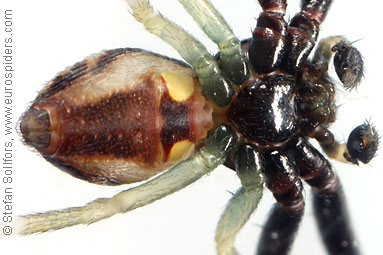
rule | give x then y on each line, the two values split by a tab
124	115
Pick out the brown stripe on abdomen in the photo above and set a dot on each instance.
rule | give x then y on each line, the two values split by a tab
121	126
176	126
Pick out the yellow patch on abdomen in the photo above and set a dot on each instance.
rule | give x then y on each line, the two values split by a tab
180	86
180	150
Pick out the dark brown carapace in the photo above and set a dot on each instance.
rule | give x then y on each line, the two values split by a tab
117	117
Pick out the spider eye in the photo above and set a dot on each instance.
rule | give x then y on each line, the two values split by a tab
362	144
34	126
348	64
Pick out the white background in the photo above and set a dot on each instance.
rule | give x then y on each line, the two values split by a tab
51	35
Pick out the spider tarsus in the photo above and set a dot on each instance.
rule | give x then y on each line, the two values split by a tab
362	144
349	65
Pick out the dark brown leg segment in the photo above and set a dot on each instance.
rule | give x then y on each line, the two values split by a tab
329	205
273	5
314	167
279	232
266	48
333	222
282	179
303	32
330	146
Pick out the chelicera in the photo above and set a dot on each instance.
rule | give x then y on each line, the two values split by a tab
125	115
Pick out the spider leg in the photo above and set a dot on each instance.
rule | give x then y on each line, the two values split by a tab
279	232
213	154
329	205
215	27
329	144
333	222
362	144
302	33
269	37
282	178
244	201
218	88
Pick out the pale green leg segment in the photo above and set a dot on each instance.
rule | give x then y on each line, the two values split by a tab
215	27
244	202
213	154
218	88
324	52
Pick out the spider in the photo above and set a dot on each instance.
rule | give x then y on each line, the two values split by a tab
243	142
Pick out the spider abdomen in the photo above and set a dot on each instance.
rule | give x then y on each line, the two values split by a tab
120	116
264	111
